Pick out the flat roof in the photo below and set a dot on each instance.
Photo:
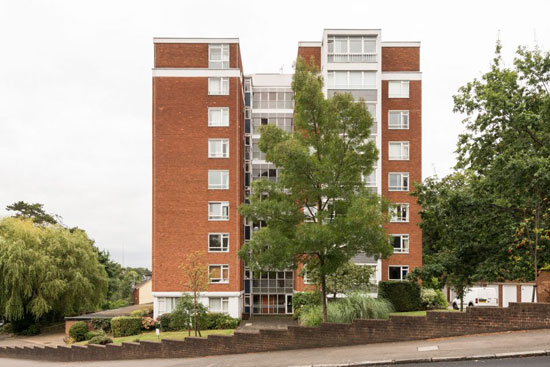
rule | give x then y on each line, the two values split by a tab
194	40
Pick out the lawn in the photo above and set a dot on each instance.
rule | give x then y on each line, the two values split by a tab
419	313
152	336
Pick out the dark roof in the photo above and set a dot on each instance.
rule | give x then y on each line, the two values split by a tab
108	314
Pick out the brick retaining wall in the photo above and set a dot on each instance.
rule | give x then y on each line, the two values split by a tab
519	316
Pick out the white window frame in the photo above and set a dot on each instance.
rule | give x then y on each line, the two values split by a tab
365	179
401	187
402	238
224	116
223	185
247	113
401	268
218	280
222	63
348	56
224	304
223	86
222	237
247	85
404	147
404	88
331	79
213	216
402	125
213	154
395	209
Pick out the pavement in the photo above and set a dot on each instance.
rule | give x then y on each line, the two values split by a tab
29	341
447	350
257	322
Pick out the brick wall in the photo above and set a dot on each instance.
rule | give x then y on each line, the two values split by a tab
519	316
400	58
307	53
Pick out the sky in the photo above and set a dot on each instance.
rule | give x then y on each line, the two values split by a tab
75	87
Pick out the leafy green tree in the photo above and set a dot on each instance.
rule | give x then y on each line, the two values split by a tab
33	211
319	212
506	143
47	271
348	278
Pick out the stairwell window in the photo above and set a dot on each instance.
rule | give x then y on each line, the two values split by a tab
218	116
218	148
218	180
398	181
398	89
398	151
398	272
218	86
400	213
218	56
218	242
351	80
218	304
218	210
400	243
398	120
218	273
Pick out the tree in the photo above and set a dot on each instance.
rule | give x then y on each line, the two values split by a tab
33	211
348	278
47	271
195	279
319	213
508	122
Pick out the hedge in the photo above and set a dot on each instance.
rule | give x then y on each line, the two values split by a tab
125	326
403	295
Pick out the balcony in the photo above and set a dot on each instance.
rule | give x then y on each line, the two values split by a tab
369	57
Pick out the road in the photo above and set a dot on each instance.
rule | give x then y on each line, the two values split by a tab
509	362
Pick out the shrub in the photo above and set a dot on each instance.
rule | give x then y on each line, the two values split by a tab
148	323
100	339
165	320
139	313
303	299
78	331
92	334
404	296
125	326
345	310
433	299
182	316
218	321
7	328
102	324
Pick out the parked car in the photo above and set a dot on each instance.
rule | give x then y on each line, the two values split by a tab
478	297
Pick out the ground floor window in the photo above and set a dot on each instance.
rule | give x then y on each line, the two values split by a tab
398	272
166	304
218	304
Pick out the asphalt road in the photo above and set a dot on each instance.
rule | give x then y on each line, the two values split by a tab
508	362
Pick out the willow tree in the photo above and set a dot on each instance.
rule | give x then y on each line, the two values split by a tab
319	213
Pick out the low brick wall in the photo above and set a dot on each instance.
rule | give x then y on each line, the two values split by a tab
519	316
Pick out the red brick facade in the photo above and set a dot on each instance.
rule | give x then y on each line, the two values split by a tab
400	58
309	54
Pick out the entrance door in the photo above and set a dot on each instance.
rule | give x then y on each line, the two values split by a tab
289	303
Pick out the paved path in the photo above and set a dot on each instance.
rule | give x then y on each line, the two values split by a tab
447	347
509	362
42	339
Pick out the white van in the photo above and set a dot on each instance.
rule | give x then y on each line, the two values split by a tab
478	297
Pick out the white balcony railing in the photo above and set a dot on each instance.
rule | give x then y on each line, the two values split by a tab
334	57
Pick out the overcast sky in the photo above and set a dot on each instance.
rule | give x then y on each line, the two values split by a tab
75	87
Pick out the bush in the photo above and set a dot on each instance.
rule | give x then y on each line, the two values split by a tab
100	339
165	320
7	328
404	296
78	331
92	334
434	299
305	299
182	317
139	313
102	324
345	310
218	321
125	326
148	323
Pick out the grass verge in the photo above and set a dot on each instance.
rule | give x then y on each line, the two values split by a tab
152	336
419	313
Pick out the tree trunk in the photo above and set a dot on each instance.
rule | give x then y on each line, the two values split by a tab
535	253
324	293
195	312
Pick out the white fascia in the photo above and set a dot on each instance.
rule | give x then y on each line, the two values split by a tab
166	72
203	294
309	44
401	44
401	75
194	40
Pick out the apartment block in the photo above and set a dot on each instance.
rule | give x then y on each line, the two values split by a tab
206	119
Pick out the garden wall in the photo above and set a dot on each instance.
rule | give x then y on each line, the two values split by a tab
518	316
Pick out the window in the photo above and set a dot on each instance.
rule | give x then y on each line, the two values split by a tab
351	49
247	113
218	273
400	243
218	116
247	85
398	89
399	181
218	210
218	148
399	150
218	56
400	213
218	86
218	304
398	272
351	79
370	180
398	120
218	180
272	98
218	242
